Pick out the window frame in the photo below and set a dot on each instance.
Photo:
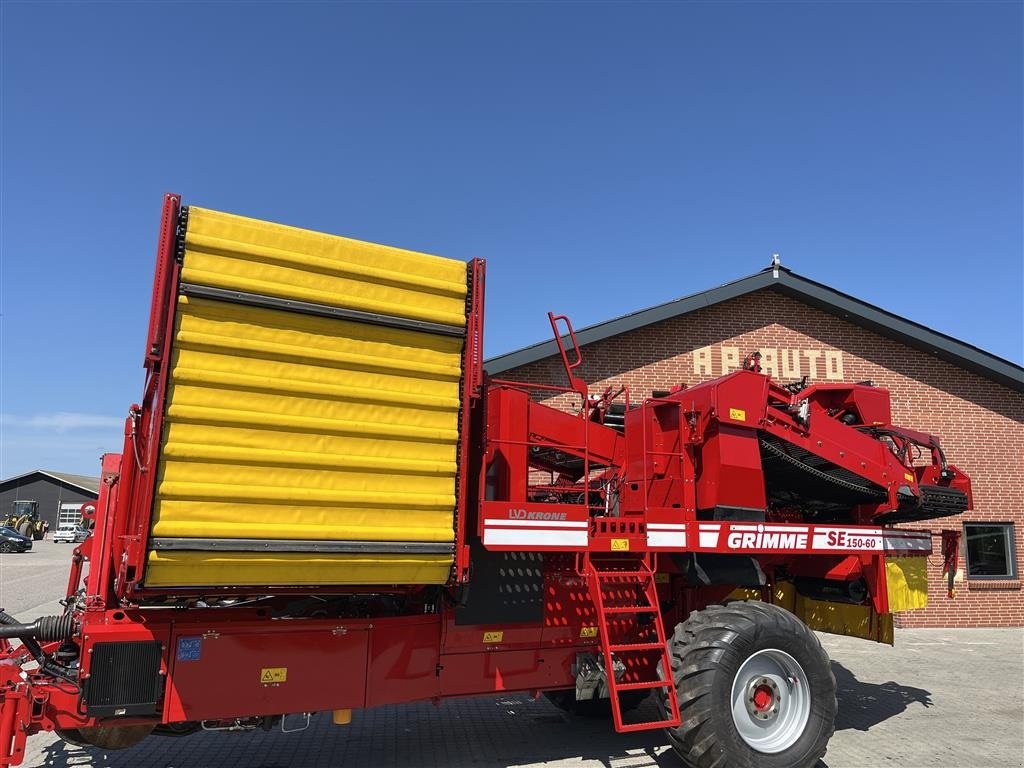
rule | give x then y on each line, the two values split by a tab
1011	547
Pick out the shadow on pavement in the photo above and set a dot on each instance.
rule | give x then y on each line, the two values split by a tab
863	705
60	754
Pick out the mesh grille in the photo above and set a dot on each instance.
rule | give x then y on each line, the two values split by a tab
124	679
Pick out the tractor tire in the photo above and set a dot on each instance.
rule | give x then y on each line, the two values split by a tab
755	689
5	547
566	701
25	529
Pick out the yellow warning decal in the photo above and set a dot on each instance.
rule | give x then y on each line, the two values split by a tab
738	414
620	545
273	675
588	631
662	578
908	477
493	637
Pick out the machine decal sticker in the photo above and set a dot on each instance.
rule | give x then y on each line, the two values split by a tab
671	535
534	533
189	648
269	675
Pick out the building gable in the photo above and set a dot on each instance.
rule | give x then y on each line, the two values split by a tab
788	283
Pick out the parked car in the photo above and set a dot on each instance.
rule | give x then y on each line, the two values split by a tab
70	535
12	541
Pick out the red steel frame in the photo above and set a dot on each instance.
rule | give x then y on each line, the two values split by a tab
472	384
423	653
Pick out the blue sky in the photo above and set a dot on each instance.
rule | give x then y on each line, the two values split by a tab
603	158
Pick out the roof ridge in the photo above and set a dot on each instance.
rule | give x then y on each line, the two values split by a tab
63	477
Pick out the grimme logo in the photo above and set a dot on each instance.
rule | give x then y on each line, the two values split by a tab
761	540
522	514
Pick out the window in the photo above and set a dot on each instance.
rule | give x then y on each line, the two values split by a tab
990	551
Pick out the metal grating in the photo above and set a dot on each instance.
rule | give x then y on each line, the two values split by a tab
124	679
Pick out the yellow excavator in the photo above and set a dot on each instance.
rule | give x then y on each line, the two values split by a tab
24	518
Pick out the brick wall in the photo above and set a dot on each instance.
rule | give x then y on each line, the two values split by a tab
981	423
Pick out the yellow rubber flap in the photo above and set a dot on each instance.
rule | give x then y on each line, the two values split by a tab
825	616
907	580
166	569
288	426
241	254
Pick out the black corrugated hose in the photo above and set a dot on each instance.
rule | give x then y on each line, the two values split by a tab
44	629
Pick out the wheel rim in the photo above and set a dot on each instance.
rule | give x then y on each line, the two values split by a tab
771	701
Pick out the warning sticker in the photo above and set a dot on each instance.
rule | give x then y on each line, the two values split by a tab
270	675
588	631
738	414
493	637
620	545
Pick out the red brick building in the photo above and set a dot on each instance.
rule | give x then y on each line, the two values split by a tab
973	400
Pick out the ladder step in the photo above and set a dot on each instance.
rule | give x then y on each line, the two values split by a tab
644	686
638	589
622	574
648	726
638	647
631	609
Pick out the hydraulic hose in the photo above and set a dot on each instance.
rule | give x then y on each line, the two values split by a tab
44	629
7	621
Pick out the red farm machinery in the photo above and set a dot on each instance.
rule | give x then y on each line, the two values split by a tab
324	504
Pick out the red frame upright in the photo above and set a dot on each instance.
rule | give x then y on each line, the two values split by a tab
472	399
126	529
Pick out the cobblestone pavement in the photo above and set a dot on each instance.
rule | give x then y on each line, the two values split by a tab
950	698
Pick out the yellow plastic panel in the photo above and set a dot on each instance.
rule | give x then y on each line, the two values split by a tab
240	254
288	426
165	569
825	616
907	580
844	619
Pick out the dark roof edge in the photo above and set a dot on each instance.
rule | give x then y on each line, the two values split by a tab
54	476
813	293
632	321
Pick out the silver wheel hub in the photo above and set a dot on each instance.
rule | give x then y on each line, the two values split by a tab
771	701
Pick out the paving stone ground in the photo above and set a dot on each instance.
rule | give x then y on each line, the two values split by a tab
950	698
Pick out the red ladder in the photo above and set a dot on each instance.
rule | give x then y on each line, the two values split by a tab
623	590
